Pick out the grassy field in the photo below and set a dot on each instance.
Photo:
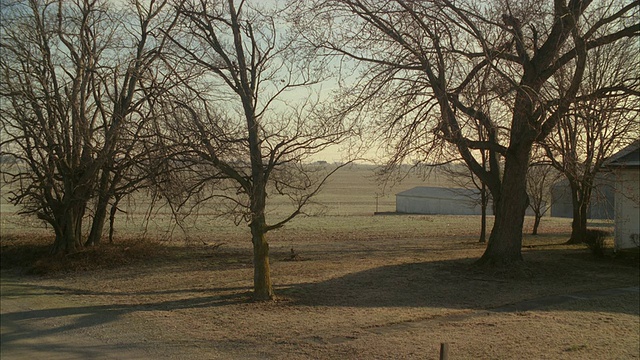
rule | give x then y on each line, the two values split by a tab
362	287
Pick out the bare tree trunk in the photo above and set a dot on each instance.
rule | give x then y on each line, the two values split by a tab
71	214
577	233
100	215
505	241
262	288
112	218
69	237
99	218
483	220
580	197
536	224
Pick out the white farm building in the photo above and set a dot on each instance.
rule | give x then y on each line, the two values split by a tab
626	166
442	201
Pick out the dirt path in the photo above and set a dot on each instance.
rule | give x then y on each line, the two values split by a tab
40	322
39	325
43	323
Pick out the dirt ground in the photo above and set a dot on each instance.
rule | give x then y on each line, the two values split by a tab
361	294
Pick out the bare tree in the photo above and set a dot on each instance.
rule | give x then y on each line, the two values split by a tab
540	179
238	133
597	125
417	60
71	79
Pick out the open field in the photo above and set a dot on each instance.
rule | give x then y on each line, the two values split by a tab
364	287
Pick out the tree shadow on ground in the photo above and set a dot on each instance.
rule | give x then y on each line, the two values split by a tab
16	289
550	275
18	326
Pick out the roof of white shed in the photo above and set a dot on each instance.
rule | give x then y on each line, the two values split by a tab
629	156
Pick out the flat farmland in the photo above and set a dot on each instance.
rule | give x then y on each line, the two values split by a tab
362	286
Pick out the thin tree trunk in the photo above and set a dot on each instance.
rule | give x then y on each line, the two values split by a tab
100	216
97	226
112	218
536	223
483	220
262	288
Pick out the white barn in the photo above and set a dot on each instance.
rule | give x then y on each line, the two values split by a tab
626	166
442	201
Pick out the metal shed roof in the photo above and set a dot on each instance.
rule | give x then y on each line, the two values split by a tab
629	156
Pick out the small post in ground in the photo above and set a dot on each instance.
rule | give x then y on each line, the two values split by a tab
444	351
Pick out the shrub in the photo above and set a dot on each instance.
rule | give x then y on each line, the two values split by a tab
32	255
595	240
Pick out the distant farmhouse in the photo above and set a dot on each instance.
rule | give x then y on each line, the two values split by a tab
437	200
601	203
625	165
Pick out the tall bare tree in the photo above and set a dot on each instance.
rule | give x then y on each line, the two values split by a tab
604	119
244	130
72	74
418	58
